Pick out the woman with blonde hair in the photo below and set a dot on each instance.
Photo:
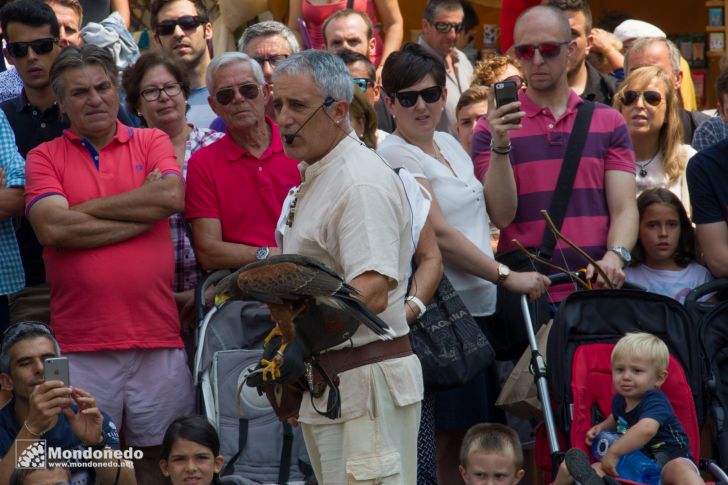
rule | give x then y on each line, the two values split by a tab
649	103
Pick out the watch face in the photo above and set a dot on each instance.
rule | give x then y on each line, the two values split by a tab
262	253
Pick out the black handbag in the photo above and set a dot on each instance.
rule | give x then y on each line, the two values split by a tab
506	329
448	341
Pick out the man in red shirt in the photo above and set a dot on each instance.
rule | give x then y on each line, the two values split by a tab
98	198
237	185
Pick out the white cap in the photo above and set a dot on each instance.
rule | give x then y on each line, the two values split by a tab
635	29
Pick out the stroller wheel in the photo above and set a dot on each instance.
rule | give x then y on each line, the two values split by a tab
580	469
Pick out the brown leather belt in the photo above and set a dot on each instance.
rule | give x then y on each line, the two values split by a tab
338	361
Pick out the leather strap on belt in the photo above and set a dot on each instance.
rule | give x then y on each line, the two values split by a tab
338	361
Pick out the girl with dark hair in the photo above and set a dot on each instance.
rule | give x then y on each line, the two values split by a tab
663	260
191	451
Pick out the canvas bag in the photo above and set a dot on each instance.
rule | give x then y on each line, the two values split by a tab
519	395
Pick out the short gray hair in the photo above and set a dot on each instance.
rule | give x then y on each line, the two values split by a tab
642	44
326	70
269	28
228	58
76	57
23	331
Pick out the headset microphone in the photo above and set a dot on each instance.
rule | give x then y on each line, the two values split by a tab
290	138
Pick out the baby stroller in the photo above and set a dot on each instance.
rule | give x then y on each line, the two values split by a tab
257	447
585	329
712	319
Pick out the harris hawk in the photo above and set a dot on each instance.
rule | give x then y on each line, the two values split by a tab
306	299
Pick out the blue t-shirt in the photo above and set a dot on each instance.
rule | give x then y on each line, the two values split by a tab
707	175
60	436
670	441
200	113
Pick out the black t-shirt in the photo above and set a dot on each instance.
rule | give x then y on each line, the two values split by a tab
31	127
95	10
707	176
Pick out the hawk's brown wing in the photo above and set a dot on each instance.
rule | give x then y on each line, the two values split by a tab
287	280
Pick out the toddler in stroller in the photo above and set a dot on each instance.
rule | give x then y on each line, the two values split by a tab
641	414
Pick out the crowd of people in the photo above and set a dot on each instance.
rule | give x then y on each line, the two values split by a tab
125	177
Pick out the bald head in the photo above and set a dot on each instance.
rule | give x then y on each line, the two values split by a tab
550	18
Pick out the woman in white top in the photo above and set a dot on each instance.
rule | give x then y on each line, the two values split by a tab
414	82
649	103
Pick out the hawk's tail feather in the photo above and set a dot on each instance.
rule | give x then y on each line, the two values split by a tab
368	317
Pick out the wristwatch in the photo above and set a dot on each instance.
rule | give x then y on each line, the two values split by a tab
623	253
262	253
101	444
503	273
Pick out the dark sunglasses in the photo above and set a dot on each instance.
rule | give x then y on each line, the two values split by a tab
546	49
362	83
39	46
653	98
407	99
272	60
187	22
247	90
516	79
445	27
171	89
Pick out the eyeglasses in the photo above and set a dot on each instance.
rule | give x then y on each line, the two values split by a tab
546	49
247	90
653	98
153	94
407	99
445	27
186	22
362	83
39	46
272	60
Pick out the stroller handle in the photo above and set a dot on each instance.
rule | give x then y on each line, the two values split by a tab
564	277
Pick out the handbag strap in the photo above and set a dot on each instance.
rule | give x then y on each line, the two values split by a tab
350	4
565	183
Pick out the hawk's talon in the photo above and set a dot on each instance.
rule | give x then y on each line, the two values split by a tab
273	333
270	369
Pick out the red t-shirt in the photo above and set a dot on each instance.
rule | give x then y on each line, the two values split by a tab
245	193
118	296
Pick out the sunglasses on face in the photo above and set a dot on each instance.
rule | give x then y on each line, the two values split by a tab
407	99
272	60
39	46
547	50
171	89
653	98
362	83
187	23
445	27
247	90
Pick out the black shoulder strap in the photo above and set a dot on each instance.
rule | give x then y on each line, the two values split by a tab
565	183
350	4
242	440
286	450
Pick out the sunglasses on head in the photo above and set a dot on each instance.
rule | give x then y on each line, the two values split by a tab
225	96
516	79
546	49
187	22
39	46
272	60
407	99
653	98
362	83
445	27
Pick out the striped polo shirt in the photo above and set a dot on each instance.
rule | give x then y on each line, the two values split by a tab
537	155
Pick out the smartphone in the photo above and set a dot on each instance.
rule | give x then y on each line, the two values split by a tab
56	369
505	92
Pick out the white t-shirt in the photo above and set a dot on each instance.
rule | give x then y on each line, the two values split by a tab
656	176
462	202
675	284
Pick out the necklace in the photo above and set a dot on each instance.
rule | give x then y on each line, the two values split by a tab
643	167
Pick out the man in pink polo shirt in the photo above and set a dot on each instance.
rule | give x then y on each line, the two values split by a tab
98	198
237	185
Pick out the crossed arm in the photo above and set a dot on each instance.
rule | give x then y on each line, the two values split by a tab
214	253
106	220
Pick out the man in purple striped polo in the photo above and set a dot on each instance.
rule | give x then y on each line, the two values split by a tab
518	153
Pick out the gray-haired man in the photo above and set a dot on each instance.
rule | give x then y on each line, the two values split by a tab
348	195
